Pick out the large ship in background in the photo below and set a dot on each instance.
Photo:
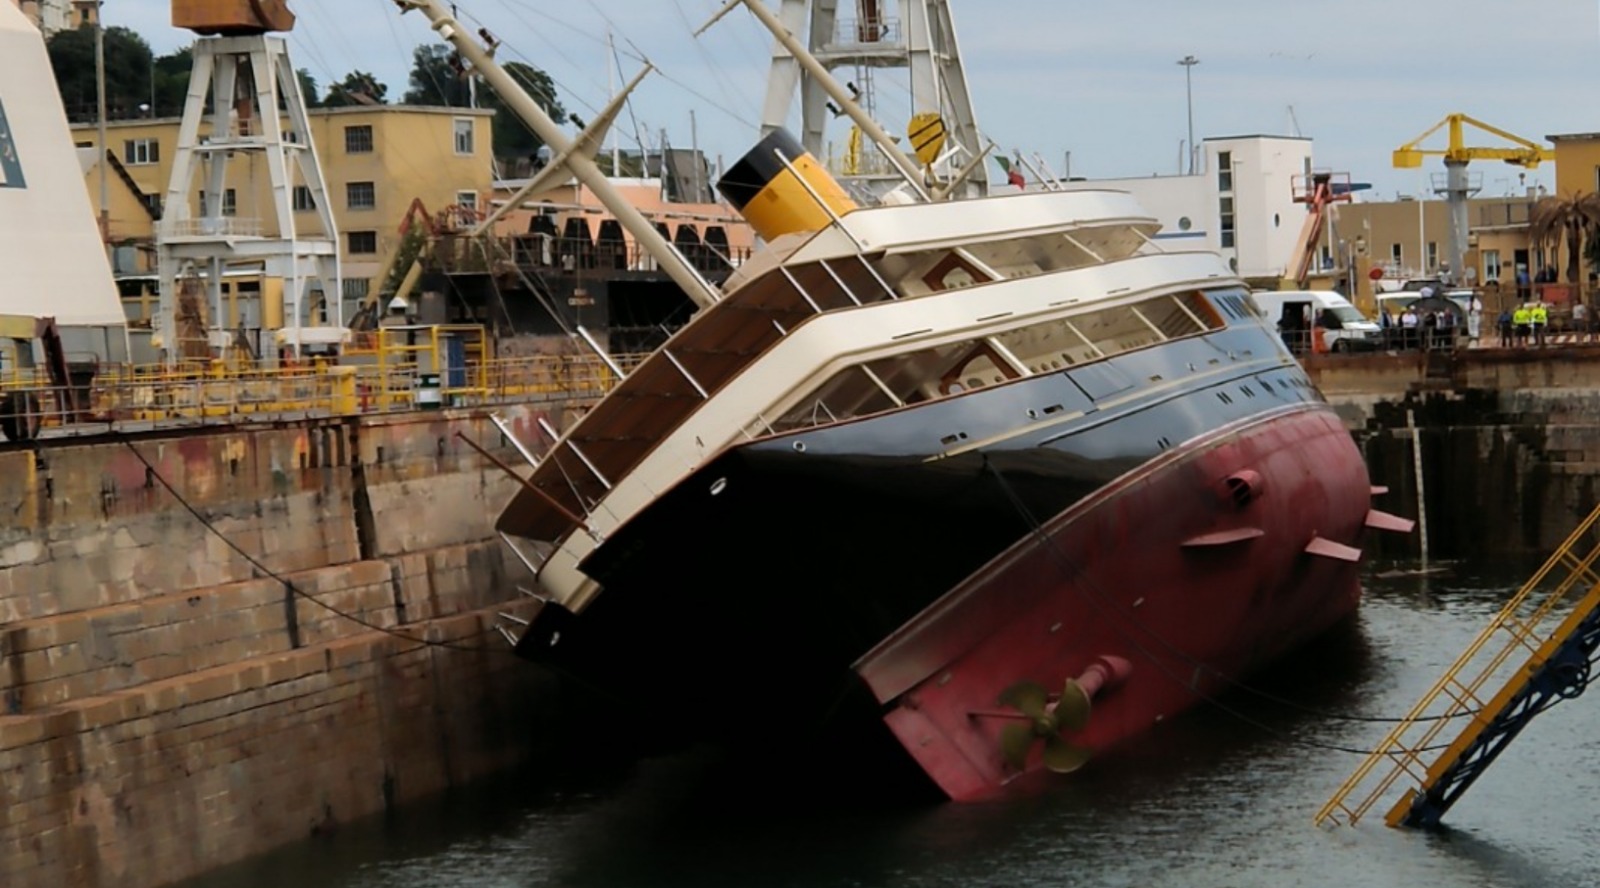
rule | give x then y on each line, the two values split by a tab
1031	481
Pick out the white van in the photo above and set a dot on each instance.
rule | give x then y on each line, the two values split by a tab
1298	313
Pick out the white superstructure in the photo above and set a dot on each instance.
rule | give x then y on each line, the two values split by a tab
55	263
1239	204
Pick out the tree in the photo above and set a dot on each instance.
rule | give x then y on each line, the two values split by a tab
308	87
438	78
357	88
172	82
512	138
129	72
1570	220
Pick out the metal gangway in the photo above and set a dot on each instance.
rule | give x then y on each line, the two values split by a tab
1538	648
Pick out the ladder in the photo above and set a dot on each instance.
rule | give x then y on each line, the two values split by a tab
1556	657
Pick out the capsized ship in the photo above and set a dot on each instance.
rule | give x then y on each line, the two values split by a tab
999	459
1033	482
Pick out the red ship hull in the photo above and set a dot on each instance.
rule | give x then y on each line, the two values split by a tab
1192	589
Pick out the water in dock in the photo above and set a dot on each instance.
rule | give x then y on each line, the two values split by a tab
1210	800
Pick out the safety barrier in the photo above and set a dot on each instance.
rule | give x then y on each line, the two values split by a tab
132	398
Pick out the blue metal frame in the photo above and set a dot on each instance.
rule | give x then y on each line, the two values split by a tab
1562	677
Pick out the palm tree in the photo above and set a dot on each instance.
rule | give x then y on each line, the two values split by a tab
1568	219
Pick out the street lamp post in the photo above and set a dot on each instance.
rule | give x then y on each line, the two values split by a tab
1188	62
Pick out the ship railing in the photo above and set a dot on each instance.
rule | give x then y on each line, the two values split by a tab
134	398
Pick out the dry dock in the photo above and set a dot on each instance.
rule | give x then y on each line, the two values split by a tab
170	703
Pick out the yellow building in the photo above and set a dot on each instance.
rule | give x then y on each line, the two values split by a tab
1577	163
1410	238
376	160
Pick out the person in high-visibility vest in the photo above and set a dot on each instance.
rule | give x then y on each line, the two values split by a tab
1520	319
1540	321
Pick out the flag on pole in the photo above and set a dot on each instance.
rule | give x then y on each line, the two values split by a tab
1013	175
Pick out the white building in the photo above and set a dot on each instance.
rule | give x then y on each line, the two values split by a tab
1241	204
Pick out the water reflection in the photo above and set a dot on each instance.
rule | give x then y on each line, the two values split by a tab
1223	796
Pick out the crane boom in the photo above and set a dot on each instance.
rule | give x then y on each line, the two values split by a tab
1527	153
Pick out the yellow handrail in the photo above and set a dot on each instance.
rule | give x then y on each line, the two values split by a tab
1402	746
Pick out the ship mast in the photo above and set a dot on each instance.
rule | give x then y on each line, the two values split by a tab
832	87
573	156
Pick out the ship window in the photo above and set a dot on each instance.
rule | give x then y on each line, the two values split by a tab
950	369
850	393
952	273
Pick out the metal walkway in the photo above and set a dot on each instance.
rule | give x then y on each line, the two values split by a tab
1557	653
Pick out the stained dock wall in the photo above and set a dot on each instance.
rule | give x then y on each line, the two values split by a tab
1510	442
168	705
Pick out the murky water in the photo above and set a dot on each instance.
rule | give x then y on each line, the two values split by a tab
1210	800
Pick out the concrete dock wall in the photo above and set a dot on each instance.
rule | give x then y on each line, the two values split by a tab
168	705
1510	443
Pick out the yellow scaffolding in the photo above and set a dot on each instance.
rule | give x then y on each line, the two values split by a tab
394	369
1556	666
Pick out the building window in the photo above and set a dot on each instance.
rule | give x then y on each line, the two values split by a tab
303	201
141	152
1225	222
230	203
1433	255
362	242
1491	265
1397	255
467	200
360	196
356	289
152	202
358	140
1224	171
464	142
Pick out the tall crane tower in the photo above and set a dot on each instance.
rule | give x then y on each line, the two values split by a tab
256	127
1457	186
916	35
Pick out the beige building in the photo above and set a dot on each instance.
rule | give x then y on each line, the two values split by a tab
51	16
1410	238
376	161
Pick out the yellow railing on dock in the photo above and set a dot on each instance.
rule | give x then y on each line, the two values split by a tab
381	380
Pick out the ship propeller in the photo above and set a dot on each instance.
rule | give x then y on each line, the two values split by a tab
1045	721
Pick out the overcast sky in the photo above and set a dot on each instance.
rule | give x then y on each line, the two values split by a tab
1099	80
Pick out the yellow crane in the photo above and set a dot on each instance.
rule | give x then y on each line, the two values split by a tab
1457	155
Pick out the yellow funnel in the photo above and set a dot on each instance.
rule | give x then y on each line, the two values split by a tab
779	188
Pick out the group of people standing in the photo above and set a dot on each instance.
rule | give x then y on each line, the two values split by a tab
1528	322
1430	323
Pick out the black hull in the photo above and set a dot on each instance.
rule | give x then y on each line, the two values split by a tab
775	566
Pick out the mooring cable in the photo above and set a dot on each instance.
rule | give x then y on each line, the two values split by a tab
288	584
